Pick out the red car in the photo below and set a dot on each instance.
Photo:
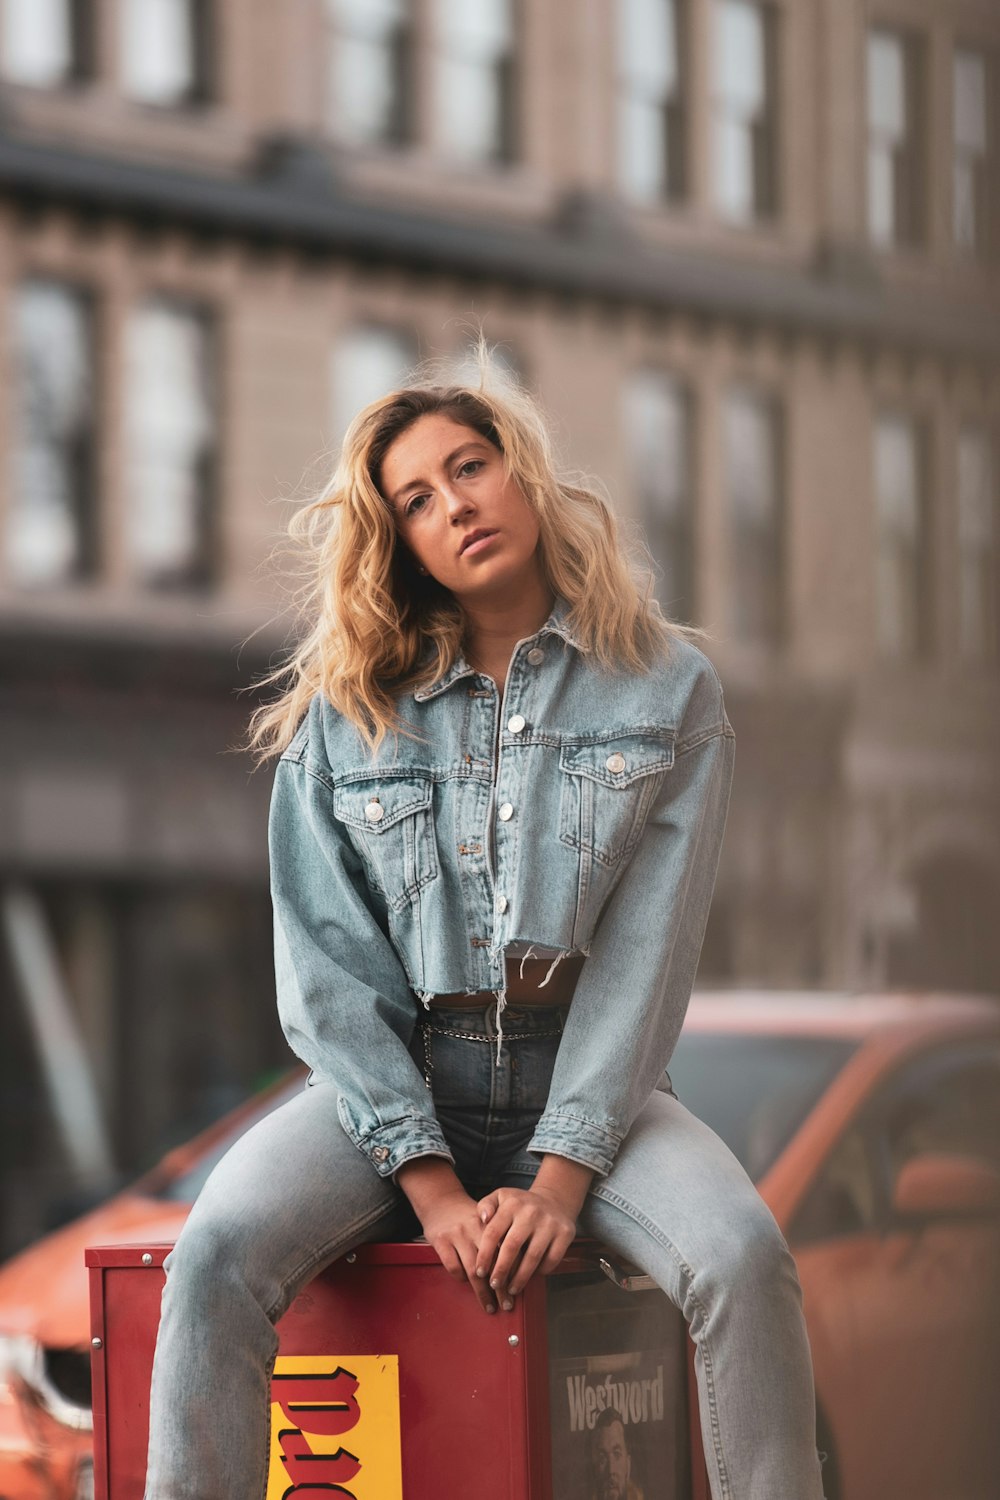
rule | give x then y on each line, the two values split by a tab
871	1125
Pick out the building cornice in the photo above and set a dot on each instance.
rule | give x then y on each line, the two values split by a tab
293	197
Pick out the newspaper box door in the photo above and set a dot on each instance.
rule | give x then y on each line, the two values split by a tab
618	1382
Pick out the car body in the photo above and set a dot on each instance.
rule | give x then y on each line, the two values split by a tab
871	1125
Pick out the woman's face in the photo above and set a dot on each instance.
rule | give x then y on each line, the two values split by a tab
446	485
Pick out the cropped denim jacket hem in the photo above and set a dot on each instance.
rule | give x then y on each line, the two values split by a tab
579	811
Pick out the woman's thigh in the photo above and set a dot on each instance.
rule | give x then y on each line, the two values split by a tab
289	1196
680	1204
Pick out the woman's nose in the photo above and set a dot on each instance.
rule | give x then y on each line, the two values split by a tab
456	503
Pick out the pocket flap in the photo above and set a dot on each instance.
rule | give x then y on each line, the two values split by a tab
397	797
620	758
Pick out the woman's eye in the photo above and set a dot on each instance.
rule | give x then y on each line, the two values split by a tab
417	500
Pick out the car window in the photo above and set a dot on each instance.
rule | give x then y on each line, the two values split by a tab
951	1105
844	1199
947	1100
186	1186
755	1090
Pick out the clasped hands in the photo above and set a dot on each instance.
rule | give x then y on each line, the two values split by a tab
498	1243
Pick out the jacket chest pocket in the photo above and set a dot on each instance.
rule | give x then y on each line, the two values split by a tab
606	788
392	829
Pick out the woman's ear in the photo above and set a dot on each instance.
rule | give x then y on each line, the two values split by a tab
404	553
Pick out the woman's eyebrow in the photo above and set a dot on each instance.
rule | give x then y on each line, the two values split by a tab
413	483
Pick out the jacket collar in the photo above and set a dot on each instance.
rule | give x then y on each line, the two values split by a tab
556	624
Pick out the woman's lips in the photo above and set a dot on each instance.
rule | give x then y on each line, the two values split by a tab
480	544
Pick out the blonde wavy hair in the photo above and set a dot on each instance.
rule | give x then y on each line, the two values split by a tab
374	627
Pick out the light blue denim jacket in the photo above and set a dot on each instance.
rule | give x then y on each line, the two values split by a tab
593	825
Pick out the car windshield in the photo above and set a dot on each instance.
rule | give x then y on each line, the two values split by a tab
753	1090
186	1187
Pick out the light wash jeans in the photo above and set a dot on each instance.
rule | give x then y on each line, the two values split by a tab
294	1193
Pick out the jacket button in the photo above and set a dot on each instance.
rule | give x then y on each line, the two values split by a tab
515	724
380	1153
505	812
536	656
502	903
374	812
615	762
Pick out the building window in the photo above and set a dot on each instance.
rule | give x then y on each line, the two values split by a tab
894	205
978	546
971	170
370	70
367	362
657	432
745	133
901	541
756	582
169	444
473	79
164	50
650	112
44	41
50	522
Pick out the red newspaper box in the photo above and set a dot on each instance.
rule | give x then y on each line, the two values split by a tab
391	1382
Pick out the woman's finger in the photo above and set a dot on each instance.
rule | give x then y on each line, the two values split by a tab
507	1257
491	1238
484	1295
548	1259
556	1254
487	1207
527	1266
448	1257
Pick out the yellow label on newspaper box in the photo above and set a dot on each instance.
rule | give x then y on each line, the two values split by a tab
335	1428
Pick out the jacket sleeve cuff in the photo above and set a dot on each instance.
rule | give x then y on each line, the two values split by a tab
585	1141
388	1146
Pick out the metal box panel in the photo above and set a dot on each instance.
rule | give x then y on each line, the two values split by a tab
417	1392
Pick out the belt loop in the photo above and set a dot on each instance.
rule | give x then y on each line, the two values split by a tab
490	1015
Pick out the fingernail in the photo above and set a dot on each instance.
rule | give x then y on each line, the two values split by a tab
494	1284
508	1306
483	1216
480	1273
491	1309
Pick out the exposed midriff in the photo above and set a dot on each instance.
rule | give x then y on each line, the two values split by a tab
523	989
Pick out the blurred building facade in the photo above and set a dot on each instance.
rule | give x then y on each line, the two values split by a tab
747	255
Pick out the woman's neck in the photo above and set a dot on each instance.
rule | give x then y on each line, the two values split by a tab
491	635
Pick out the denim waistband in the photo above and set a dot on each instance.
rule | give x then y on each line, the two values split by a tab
521	1023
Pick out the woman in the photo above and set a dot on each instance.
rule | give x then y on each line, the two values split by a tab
495	826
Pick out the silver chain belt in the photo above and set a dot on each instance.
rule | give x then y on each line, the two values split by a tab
427	1030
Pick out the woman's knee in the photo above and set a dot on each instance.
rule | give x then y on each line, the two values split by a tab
215	1250
238	1249
749	1252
